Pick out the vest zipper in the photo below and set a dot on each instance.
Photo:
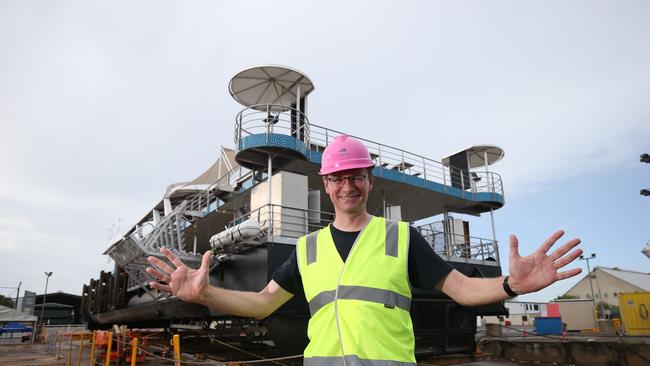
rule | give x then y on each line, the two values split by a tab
338	284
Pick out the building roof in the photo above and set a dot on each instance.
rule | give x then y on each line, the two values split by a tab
11	315
53	305
526	302
638	279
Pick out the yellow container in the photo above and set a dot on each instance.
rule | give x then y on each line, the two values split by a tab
635	308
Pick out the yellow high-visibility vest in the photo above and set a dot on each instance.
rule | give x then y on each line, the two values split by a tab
360	308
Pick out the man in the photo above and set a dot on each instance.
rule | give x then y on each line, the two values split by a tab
357	272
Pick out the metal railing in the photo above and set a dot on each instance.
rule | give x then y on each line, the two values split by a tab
293	222
131	252
393	159
200	202
389	159
452	245
271	118
286	221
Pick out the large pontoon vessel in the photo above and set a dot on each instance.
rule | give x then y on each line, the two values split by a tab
252	222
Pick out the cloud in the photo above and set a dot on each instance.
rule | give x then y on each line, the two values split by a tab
104	105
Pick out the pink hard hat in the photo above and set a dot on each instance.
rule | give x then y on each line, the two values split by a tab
345	153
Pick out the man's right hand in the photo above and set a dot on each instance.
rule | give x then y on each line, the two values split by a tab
187	284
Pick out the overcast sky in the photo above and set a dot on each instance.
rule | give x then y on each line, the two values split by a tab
104	104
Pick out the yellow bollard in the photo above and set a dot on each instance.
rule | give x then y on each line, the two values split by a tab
92	349
134	351
177	349
81	347
108	349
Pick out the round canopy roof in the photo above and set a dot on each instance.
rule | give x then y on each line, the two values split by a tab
269	84
476	155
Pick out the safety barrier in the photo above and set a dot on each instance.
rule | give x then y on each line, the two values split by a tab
106	348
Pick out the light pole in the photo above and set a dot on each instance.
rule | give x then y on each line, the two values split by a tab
583	258
18	294
47	280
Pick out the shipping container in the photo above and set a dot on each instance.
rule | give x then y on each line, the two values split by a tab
634	313
548	325
578	314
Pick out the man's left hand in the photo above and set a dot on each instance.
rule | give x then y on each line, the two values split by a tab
539	270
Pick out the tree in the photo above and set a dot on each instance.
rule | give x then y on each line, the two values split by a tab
6	301
565	297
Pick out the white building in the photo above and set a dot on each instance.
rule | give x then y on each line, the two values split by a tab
520	310
608	283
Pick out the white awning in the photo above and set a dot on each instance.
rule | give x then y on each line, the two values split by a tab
476	155
269	84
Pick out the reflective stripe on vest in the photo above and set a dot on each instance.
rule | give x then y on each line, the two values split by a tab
351	360
386	297
359	308
312	240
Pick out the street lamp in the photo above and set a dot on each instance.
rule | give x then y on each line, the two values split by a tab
593	256
47	280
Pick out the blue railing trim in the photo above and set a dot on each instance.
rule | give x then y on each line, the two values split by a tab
291	143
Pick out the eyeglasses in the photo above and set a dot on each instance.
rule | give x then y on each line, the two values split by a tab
339	181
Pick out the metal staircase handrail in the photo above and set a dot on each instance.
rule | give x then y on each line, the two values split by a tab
152	242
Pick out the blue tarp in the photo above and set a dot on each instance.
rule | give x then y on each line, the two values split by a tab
14	328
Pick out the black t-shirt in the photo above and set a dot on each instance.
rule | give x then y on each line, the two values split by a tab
425	267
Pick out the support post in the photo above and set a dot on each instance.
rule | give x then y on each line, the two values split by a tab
134	351
447	228
109	346
18	295
81	347
58	337
494	232
177	349
69	360
92	348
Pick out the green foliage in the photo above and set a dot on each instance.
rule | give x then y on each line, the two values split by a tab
6	301
565	297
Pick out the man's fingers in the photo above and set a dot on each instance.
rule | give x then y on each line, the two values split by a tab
161	287
160	264
566	274
567	259
514	247
551	240
172	257
206	260
159	276
559	252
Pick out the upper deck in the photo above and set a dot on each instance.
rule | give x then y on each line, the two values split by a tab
422	186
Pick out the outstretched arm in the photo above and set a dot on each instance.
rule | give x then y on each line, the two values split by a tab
527	274
192	285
